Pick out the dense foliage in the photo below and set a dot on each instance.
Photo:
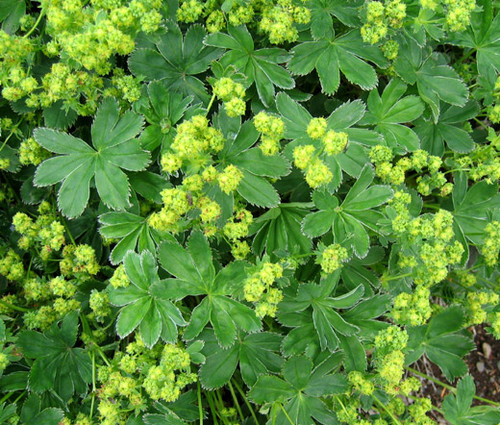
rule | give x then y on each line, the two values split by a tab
247	211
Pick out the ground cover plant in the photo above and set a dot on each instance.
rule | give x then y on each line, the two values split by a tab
247	211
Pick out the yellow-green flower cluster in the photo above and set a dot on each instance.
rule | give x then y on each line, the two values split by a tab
119	278
232	94
458	13
491	245
57	294
237	228
389	357
46	315
361	383
79	260
175	204
14	52
65	83
99	304
390	49
317	172
258	289
279	21
494	319
4	361
165	381
484	162
332	257
230	178
126	87
193	143
92	35
162	372
412	308
272	130
189	11
46	231
333	141
380	16
399	203
11	266
30	152
382	157
477	303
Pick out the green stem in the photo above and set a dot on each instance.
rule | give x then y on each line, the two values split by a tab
20	396
212	407
68	231
11	133
394	418
401	276
249	406
465	57
6	397
480	123
200	406
235	399
448	387
286	414
35	25
93	386
95	346
13	307
211	103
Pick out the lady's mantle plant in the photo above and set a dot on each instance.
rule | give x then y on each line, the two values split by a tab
247	212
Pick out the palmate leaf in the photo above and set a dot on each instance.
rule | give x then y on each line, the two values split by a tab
330	55
436	82
314	303
448	129
77	163
388	111
195	275
483	35
354	216
163	109
458	411
473	207
442	342
132	230
256	167
300	392
145	302
257	354
33	412
322	21
279	228
260	66
176	60
58	365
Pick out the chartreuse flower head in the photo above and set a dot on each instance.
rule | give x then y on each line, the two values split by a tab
258	289
232	94
272	130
